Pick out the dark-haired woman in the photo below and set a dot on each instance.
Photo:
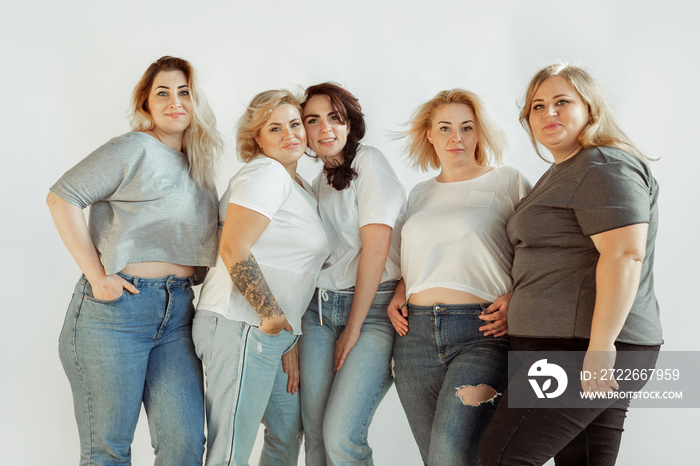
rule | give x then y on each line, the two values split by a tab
152	233
345	352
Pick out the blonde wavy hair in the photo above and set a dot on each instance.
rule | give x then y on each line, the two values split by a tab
492	141
602	128
201	142
254	118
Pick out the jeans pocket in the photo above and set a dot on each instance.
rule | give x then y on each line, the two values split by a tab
90	297
203	330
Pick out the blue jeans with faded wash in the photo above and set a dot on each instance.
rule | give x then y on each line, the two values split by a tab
449	378
135	349
246	386
338	407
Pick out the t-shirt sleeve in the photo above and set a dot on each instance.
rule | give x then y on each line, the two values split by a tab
380	195
262	186
612	195
95	178
518	186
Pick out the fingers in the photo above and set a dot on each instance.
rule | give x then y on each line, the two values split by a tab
129	286
498	326
399	322
340	359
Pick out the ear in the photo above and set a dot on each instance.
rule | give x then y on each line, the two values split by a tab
429	136
257	140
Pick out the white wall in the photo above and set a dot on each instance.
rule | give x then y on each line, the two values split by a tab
69	67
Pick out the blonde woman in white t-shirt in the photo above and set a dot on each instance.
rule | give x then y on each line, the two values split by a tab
450	308
249	312
345	352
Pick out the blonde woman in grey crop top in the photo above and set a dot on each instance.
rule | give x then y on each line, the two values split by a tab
151	235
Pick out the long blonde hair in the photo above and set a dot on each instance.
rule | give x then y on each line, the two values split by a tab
201	142
602	128
492	141
255	116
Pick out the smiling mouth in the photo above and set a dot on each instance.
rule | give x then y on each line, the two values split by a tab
175	115
327	141
293	145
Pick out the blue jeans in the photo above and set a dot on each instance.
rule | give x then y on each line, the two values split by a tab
246	386
135	349
337	407
449	377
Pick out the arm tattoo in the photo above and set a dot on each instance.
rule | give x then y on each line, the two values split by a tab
249	280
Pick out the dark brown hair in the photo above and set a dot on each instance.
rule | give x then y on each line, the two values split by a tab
348	109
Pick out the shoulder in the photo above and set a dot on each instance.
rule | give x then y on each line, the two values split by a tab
422	189
614	163
262	166
369	157
509	173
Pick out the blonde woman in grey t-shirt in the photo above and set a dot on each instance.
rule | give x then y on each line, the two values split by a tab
151	235
582	278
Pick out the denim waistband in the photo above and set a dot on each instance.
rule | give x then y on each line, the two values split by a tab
437	308
385	287
160	282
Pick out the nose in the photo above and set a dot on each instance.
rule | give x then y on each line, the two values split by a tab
551	110
288	132
175	100
456	137
325	126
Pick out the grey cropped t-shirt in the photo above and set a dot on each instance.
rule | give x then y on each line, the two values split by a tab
144	205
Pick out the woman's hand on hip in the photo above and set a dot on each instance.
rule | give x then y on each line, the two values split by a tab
398	314
498	316
111	287
274	325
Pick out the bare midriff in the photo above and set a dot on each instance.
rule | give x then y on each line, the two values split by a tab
444	296
155	269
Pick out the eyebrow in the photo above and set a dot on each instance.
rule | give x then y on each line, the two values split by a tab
555	97
166	87
449	123
274	123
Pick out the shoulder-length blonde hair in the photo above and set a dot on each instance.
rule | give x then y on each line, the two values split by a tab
201	142
255	116
602	128
492	141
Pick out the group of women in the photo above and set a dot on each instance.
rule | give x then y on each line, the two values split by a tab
431	292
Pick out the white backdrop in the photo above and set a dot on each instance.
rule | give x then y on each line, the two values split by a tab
69	67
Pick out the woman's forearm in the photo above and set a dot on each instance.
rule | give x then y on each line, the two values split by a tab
249	280
71	226
617	280
242	229
376	241
619	267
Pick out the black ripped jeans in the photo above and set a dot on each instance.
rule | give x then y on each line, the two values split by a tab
572	436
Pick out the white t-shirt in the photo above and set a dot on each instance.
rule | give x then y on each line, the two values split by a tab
290	251
374	196
455	237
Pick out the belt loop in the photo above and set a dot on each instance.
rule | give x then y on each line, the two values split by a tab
135	282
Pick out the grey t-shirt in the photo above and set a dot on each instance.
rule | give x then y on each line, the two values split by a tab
144	205
554	268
